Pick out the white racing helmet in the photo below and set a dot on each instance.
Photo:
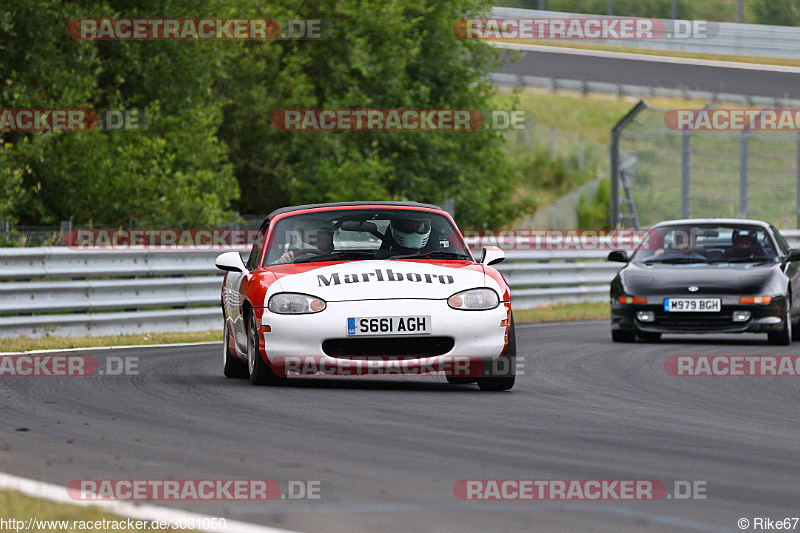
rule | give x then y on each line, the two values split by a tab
412	233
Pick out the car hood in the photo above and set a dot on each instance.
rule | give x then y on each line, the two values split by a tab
376	280
717	279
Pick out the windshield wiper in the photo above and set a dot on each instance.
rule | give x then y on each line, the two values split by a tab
676	260
352	254
435	253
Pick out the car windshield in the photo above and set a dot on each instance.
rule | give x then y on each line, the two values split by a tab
706	243
358	234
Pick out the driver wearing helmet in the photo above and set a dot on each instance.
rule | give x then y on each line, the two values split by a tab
745	245
312	237
407	235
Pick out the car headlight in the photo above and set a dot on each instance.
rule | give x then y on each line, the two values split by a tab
474	300
287	303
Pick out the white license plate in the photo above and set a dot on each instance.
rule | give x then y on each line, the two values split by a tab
692	305
389	325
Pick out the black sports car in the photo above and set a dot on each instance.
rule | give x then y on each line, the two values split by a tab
707	276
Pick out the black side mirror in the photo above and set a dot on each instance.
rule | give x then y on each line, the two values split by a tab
793	255
619	256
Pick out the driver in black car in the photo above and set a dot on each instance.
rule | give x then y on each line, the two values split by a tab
683	247
745	245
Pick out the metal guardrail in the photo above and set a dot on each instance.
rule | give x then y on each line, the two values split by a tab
45	291
639	91
731	39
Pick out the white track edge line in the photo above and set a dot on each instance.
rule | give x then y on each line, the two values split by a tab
121	347
56	493
645	57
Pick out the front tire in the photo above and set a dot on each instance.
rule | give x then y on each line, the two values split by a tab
260	372
231	366
783	338
502	378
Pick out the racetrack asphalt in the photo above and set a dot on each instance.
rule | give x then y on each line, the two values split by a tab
388	451
652	73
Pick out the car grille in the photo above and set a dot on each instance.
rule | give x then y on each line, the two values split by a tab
408	347
695	321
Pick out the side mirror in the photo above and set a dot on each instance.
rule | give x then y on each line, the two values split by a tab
492	255
619	256
230	262
793	255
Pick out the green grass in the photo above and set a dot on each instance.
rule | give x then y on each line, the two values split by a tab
14	504
20	344
564	312
591	116
788	62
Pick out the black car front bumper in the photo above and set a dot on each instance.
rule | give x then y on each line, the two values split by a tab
764	318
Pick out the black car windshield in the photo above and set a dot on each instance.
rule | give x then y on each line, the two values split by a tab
706	243
359	234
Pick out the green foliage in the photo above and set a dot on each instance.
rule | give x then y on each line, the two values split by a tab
380	55
556	176
210	102
174	173
596	213
781	12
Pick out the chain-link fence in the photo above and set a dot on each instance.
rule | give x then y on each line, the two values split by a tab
662	173
586	158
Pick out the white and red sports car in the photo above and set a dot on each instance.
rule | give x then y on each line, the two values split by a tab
361	288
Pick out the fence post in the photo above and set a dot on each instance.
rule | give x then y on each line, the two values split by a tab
744	171
686	183
616	133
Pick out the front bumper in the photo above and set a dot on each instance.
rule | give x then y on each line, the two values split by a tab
764	318
478	334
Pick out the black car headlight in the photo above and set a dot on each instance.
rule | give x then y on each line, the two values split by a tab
288	303
474	300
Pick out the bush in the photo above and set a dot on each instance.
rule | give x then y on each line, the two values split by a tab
596	213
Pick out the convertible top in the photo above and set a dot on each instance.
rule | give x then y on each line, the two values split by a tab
289	209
